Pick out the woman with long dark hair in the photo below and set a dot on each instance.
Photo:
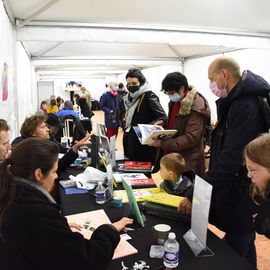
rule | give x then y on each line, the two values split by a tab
33	233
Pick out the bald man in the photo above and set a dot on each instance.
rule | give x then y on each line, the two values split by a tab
5	146
240	120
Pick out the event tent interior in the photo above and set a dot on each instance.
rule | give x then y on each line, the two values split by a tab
46	43
50	42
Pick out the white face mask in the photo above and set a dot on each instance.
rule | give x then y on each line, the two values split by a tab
222	93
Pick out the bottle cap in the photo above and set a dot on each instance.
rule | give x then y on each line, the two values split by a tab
171	235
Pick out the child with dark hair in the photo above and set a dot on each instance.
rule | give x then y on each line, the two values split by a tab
177	181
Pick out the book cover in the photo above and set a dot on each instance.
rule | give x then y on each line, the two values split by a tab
148	134
136	180
93	219
137	165
164	198
139	194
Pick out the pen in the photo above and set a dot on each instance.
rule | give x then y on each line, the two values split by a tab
128	229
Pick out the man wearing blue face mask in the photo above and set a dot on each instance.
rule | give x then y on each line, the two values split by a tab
188	113
240	120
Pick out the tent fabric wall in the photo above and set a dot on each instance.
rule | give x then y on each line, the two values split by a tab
25	84
7	37
22	98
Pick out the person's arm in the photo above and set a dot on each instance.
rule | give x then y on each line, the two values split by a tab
157	112
66	160
103	103
48	242
193	134
72	154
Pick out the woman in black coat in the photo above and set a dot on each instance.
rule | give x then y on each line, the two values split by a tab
33	233
142	107
258	165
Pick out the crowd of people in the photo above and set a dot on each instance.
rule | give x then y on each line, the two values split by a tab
239	168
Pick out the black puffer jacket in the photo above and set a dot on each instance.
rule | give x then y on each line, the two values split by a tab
240	120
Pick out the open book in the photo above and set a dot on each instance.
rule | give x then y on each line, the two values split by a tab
148	134
90	221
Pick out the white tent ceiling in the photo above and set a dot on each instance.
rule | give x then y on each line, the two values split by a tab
99	38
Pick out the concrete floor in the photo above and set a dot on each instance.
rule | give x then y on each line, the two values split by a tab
262	243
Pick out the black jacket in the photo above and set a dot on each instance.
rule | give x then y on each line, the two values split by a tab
36	236
239	121
148	111
262	220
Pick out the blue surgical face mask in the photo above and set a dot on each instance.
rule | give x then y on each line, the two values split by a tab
175	97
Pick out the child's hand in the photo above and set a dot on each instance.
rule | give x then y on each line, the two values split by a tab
185	207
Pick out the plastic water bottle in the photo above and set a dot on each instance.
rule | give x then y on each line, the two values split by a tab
100	193
171	252
84	155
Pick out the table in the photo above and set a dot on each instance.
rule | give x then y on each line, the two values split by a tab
225	258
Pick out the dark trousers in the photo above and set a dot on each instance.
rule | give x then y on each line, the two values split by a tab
244	245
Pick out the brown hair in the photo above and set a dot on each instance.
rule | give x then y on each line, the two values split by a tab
27	156
258	152
53	102
4	125
174	162
30	125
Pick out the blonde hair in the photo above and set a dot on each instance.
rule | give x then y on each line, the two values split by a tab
174	162
258	151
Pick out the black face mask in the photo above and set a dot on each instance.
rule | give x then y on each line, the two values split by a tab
133	88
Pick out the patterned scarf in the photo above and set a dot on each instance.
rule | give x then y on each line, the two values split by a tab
131	102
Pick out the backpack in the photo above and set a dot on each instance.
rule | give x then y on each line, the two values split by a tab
264	102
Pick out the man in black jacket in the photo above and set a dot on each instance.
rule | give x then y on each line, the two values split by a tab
240	120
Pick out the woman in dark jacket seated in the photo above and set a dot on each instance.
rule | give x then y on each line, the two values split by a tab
258	164
33	232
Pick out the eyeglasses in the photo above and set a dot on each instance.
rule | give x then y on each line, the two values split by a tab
252	171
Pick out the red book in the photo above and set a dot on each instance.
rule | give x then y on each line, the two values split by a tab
141	183
138	180
137	165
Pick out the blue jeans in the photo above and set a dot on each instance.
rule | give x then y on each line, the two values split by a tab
244	245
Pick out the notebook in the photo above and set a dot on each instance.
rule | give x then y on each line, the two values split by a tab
164	198
93	219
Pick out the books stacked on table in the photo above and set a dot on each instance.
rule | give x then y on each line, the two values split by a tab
137	165
136	180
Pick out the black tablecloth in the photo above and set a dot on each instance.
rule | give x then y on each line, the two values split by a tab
224	259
